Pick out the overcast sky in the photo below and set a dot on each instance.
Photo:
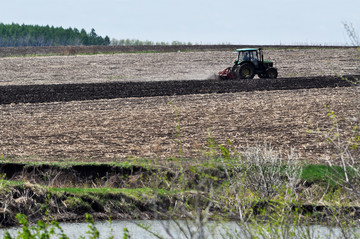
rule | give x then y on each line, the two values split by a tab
196	21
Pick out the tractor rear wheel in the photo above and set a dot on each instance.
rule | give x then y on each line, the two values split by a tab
271	73
246	71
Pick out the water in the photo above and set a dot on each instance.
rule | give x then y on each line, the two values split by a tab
169	229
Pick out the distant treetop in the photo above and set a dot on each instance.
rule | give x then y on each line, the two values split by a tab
13	35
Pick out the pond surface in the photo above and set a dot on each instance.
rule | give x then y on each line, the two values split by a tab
170	229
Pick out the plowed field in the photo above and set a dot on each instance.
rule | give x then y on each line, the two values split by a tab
106	130
168	66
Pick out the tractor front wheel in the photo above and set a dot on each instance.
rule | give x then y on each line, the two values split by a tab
246	71
271	73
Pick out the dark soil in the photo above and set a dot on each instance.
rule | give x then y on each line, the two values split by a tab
76	175
94	91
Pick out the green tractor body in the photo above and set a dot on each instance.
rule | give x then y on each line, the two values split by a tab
249	62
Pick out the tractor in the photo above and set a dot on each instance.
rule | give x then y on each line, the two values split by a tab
249	62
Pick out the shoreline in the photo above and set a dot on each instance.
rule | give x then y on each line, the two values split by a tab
27	192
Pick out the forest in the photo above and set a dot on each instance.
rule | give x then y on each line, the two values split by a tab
16	35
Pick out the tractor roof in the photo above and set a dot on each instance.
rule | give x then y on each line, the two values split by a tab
247	49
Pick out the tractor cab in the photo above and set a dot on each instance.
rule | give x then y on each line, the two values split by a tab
249	54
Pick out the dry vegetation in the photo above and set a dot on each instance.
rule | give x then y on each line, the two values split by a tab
104	130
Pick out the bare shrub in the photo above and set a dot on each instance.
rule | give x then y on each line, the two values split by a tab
268	173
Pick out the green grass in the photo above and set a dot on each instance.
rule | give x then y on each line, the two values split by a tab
11	183
324	174
310	173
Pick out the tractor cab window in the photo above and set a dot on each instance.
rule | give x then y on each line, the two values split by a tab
253	56
244	56
248	56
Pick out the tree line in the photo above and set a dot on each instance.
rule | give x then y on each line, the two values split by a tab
15	35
